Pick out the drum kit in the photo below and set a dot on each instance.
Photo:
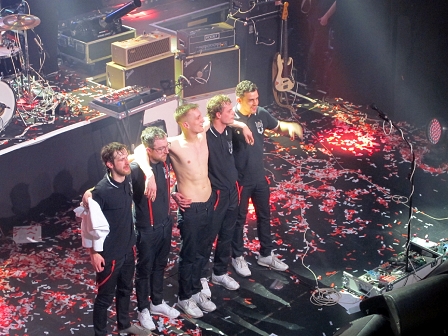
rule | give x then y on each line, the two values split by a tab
17	77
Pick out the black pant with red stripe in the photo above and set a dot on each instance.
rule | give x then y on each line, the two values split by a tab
114	281
153	248
224	218
259	193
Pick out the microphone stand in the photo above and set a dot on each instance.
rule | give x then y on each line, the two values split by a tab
383	116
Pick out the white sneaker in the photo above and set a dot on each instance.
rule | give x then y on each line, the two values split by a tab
146	320
226	281
164	310
273	262
190	307
241	267
204	302
205	288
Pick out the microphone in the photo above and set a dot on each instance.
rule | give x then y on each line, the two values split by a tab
380	113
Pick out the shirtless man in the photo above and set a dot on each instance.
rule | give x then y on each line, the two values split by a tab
189	158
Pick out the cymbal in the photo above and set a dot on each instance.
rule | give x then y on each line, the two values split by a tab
19	22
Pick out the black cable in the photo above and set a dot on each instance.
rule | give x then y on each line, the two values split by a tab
383	116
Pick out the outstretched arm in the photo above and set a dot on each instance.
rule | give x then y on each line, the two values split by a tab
291	128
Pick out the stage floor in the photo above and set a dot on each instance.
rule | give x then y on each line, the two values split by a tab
340	202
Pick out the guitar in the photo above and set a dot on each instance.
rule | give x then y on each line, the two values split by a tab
284	80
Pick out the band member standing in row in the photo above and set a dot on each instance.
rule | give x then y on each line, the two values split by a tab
115	261
154	226
251	176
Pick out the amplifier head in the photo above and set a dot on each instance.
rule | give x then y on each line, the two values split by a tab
141	48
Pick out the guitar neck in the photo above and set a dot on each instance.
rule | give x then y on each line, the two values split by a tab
285	56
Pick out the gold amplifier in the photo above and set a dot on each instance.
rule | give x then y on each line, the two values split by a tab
141	48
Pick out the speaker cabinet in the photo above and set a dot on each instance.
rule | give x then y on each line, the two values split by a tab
211	72
153	74
259	41
411	309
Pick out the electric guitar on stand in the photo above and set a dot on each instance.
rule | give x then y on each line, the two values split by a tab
284	81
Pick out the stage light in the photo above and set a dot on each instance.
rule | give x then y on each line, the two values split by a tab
122	11
436	131
436	135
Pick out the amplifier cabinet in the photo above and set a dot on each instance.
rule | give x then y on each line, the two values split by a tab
151	74
210	72
94	51
258	40
245	9
141	48
206	38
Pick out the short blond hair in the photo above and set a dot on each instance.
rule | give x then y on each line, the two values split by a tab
182	111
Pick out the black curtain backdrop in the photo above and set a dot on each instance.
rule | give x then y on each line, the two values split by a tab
393	53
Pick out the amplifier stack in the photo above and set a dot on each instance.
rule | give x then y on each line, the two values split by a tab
146	60
207	61
198	40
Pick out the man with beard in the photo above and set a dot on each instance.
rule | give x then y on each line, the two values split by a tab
114	262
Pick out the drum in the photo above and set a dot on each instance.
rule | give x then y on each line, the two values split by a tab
7	104
10	66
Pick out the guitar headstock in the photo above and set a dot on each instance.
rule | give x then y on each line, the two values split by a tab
285	11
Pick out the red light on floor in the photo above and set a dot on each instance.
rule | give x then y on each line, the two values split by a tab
353	140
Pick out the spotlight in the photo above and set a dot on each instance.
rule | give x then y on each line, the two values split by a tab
436	131
436	134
